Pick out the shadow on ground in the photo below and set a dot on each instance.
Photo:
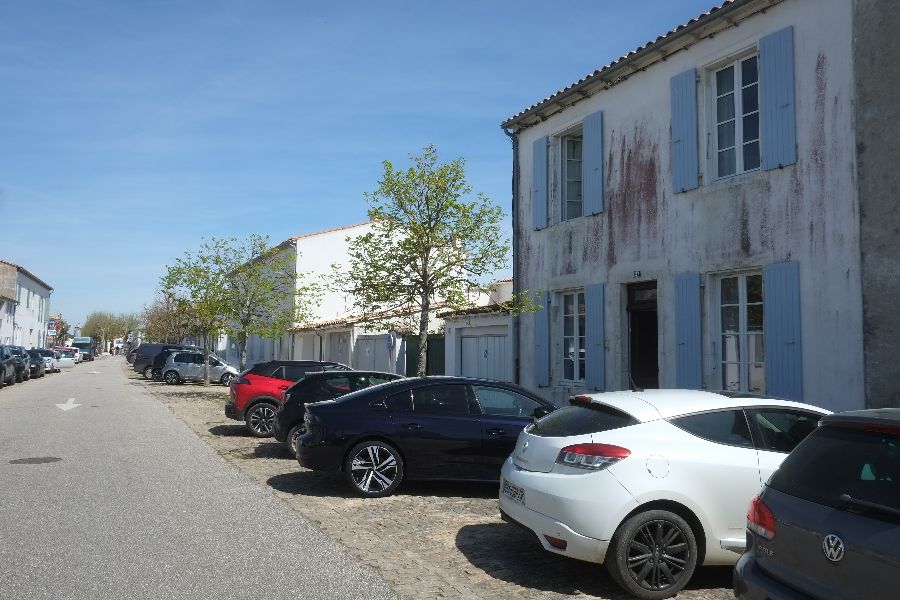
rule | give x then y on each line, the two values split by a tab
230	430
512	554
321	484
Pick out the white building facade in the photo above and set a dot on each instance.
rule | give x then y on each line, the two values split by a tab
24	307
334	332
690	213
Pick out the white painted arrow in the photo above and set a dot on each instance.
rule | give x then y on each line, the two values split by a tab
93	372
68	405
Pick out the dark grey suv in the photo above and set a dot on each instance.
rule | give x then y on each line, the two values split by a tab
827	524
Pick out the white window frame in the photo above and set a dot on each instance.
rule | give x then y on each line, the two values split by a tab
565	174
743	333
735	62
577	335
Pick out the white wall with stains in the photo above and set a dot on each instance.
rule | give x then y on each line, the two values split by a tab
806	212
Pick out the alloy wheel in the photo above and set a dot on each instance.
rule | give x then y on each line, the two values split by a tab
171	377
657	555
374	469
261	420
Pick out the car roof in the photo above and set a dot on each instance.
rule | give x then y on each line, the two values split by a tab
650	405
872	416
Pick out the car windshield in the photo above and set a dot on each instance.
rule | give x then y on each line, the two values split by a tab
844	468
66	353
580	420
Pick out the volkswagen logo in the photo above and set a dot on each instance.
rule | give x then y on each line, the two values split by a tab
524	447
833	546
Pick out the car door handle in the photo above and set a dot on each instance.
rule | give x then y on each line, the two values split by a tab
412	426
496	431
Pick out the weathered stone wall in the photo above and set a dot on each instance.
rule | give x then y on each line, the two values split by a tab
876	59
806	212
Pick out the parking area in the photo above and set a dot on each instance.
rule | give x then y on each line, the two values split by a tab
430	540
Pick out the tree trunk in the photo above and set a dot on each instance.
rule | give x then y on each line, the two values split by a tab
423	336
242	344
205	359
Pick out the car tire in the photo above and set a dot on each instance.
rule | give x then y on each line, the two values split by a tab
374	469
172	378
226	378
652	555
148	372
261	420
293	438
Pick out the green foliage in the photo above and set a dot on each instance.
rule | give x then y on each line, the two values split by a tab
105	326
240	288
163	322
430	242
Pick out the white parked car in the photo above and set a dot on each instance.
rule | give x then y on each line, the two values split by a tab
66	358
652	483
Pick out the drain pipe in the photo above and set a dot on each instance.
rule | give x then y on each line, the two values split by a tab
515	237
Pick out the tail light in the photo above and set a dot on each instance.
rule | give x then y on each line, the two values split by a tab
594	457
760	519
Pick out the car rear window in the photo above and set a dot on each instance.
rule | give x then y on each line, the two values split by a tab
836	461
581	420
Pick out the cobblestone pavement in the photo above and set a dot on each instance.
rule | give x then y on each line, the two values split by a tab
430	540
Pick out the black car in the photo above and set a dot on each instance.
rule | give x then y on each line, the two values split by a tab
452	428
23	363
87	354
38	369
827	523
316	387
7	366
145	354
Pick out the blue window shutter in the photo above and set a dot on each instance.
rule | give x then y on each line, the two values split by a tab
594	338
592	163
688	355
539	184
542	342
776	90
781	328
685	158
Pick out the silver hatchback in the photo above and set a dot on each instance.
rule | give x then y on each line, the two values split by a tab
188	366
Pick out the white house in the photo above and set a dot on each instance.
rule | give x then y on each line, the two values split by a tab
24	307
334	333
698	212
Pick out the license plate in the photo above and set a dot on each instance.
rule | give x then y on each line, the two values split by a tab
513	492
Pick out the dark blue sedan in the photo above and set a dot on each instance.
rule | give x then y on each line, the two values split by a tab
450	428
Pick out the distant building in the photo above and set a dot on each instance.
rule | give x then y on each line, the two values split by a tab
24	307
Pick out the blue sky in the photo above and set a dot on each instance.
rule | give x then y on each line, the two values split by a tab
129	129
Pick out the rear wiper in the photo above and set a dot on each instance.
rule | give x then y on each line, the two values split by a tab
848	500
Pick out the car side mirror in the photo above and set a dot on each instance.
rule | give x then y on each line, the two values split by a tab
541	411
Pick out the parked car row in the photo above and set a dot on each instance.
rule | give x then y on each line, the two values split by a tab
18	364
649	483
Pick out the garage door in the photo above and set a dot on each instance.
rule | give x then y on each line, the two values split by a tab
485	356
339	347
373	353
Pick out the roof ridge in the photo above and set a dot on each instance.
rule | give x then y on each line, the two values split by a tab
315	233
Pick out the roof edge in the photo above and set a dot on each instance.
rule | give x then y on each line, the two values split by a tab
615	72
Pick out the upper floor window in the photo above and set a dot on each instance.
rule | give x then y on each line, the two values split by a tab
572	202
737	117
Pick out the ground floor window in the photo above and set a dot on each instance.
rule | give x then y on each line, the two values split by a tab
740	326
573	335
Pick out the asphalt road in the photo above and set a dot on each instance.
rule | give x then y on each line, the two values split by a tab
125	501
